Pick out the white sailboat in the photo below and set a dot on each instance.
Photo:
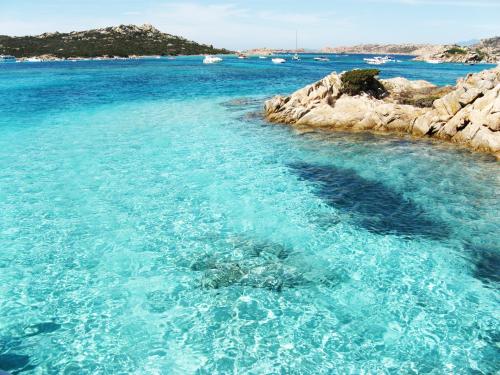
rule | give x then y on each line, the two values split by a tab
296	57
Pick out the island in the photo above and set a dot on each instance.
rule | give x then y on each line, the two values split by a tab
467	114
119	41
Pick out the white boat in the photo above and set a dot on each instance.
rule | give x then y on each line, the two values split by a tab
374	61
296	57
211	60
242	56
321	58
379	60
278	60
33	59
433	61
7	58
262	57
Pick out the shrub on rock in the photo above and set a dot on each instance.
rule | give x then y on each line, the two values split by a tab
357	82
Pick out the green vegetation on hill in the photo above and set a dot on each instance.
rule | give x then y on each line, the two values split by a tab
124	40
356	82
456	51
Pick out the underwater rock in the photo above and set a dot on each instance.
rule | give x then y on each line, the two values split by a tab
261	265
377	207
252	117
243	262
249	250
486	262
222	275
272	276
11	361
41	328
241	103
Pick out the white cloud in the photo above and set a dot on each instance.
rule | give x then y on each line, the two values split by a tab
237	27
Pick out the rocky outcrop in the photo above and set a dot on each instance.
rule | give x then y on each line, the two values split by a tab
468	114
487	50
391	49
271	51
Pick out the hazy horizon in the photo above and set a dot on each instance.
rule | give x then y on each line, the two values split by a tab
238	25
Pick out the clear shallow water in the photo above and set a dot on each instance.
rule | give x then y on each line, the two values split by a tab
152	222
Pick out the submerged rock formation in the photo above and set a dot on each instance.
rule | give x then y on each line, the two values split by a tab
468	114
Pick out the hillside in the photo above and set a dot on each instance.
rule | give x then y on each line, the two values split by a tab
123	40
487	50
402	49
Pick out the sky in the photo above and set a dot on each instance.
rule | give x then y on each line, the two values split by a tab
243	24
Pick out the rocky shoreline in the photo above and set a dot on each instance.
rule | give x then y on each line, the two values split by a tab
485	51
467	114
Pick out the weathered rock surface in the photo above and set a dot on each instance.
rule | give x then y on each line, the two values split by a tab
468	114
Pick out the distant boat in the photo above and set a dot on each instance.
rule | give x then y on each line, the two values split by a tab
262	57
433	61
7	58
211	60
33	59
379	60
242	56
321	58
278	60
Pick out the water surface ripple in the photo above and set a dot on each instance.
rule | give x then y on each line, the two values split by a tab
152	222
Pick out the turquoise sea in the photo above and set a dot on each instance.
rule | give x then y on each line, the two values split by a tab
151	222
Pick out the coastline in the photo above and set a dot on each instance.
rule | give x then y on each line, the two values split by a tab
467	114
49	58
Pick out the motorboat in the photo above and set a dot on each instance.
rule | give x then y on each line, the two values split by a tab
263	57
296	57
431	61
242	56
211	60
278	60
321	58
379	60
7	58
374	61
34	59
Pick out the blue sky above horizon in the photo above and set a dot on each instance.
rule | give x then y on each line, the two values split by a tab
239	24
